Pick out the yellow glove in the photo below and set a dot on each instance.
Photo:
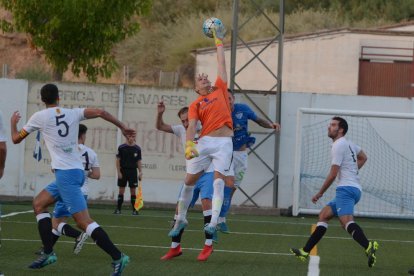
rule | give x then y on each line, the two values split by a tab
217	40
190	150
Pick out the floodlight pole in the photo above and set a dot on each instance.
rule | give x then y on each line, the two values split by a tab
278	86
278	100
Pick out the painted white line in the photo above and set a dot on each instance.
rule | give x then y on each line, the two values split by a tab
235	233
16	213
165	247
313	267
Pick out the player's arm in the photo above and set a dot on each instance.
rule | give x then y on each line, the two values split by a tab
221	61
95	173
328	182
139	165
361	159
3	153
17	135
91	113
266	124
118	168
159	124
190	147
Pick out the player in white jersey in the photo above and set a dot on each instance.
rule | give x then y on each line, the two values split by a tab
3	147
60	127
347	159
204	185
60	213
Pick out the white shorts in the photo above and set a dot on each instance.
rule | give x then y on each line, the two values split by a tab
212	150
239	166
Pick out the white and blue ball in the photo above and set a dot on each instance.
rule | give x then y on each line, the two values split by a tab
210	24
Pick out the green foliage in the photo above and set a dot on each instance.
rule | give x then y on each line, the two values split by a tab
76	33
35	73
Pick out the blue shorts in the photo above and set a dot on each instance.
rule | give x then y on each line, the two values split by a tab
346	198
67	189
61	210
203	188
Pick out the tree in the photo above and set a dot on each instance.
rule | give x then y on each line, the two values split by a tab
76	34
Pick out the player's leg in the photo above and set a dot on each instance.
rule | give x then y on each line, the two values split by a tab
208	244
184	200
228	194
175	249
222	157
239	164
133	184
324	216
73	198
40	204
121	185
347	198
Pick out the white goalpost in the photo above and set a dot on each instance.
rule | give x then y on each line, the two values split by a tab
387	179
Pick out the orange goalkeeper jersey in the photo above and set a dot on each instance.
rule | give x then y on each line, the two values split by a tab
212	110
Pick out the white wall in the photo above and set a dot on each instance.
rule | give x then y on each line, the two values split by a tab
13	95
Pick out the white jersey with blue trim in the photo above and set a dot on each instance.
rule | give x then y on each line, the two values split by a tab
2	129
60	127
89	161
344	154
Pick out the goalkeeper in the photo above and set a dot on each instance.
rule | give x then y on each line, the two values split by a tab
215	145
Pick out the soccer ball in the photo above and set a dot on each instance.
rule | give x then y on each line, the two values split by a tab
211	23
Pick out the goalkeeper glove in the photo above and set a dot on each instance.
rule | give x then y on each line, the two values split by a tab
218	35
190	150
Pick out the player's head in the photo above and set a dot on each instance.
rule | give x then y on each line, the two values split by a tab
231	99
202	84
82	133
338	127
49	94
130	139
183	115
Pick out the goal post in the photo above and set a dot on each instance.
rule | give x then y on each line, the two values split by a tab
387	178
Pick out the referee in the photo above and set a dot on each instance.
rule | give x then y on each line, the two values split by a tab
128	160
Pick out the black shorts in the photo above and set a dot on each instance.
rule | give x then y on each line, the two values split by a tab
130	176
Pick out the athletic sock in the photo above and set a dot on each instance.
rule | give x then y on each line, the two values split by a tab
67	230
226	202
316	236
120	201
44	226
133	199
177	239
103	241
207	219
357	234
217	200
184	201
55	236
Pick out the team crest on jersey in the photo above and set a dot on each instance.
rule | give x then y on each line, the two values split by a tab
239	115
135	154
58	110
205	100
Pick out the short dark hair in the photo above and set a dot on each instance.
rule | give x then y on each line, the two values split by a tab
82	130
342	123
49	93
182	111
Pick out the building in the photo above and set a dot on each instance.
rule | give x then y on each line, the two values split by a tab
344	61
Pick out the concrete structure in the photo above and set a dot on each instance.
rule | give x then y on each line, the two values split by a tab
322	62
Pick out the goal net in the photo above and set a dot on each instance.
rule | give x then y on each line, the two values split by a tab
387	178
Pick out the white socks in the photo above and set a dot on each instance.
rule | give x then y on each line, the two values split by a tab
186	195
217	201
